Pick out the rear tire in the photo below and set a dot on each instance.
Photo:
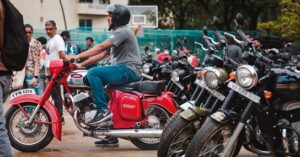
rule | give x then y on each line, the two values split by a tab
160	115
27	131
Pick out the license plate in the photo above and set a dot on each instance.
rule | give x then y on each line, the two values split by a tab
178	85
147	76
22	92
244	92
215	93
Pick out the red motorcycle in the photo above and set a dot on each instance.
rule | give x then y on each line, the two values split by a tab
140	111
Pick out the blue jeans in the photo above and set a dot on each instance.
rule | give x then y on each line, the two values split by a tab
113	75
5	150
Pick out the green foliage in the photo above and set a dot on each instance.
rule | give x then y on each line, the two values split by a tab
288	24
194	14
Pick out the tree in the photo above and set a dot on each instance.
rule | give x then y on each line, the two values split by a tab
194	14
288	24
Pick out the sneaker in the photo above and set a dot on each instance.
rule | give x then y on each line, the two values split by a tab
100	116
108	141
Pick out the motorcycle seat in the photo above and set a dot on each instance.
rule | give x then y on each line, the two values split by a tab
147	87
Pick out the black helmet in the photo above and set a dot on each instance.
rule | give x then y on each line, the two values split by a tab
120	15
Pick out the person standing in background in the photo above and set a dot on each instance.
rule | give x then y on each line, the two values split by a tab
32	67
71	47
42	83
89	42
55	50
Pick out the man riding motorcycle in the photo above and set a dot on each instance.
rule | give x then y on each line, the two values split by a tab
125	62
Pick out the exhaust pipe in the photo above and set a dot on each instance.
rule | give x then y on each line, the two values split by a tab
131	133
122	133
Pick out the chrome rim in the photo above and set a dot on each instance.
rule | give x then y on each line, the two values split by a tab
181	141
218	140
28	134
162	117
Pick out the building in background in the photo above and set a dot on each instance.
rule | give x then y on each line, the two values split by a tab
78	13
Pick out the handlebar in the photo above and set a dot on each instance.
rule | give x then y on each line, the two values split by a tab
266	60
243	36
202	47
211	39
228	35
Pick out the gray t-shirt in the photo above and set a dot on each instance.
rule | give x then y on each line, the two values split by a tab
234	52
125	49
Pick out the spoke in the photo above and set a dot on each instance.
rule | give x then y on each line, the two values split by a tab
209	151
29	134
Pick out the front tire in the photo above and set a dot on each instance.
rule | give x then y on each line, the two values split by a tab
210	138
176	137
28	138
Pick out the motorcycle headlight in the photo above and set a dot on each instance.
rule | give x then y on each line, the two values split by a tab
146	68
246	76
213	77
175	76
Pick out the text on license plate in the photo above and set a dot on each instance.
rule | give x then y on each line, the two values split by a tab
244	92
22	92
213	92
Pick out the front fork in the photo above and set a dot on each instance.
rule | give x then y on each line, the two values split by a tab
33	115
44	98
244	117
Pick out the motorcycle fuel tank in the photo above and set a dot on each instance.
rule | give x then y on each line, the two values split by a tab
78	79
288	85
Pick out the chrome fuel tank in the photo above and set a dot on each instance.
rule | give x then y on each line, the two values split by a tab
78	79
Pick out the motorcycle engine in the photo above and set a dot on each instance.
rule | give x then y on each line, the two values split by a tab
83	102
291	134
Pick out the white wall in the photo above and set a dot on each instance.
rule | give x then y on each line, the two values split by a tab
37	12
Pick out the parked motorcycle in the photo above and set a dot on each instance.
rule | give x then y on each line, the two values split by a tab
265	121
206	98
140	111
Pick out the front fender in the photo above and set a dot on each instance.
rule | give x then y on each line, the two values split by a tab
49	107
224	116
191	112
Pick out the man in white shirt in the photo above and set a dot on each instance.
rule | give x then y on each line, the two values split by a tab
55	50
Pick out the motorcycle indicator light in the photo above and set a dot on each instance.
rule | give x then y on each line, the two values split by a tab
232	76
267	94
199	74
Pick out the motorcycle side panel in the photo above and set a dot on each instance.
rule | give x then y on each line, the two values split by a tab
49	107
118	121
130	106
165	100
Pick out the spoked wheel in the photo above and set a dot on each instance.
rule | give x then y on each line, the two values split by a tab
177	137
157	119
28	137
211	140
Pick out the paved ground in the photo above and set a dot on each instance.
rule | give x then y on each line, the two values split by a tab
75	145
